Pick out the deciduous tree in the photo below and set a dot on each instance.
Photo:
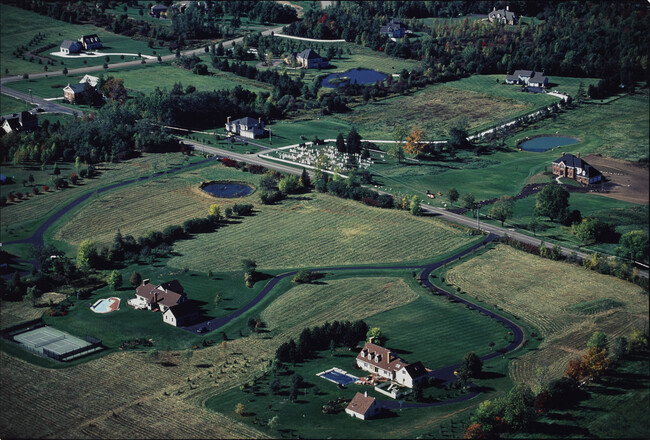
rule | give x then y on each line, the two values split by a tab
135	279
552	201
414	142
115	280
502	209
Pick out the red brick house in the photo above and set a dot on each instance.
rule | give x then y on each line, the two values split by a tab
572	167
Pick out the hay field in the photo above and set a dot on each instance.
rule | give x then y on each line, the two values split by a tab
124	396
434	109
550	295
309	305
319	230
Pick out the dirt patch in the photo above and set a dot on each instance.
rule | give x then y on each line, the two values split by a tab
627	180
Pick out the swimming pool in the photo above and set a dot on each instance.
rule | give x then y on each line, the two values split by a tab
106	305
338	376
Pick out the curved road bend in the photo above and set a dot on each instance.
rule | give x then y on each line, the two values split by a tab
446	374
36	239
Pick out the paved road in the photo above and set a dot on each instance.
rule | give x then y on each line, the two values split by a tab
434	211
48	106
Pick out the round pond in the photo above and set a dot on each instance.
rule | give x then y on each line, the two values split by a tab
227	190
354	76
543	143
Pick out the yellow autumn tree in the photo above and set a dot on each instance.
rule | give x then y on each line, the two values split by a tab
414	142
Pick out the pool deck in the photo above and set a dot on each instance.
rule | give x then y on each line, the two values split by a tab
113	306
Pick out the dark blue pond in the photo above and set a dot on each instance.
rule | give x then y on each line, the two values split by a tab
543	143
354	76
227	189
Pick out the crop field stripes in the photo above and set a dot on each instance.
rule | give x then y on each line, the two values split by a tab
548	295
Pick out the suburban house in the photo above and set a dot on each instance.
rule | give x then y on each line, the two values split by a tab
158	9
70	46
572	167
161	297
310	59
246	127
503	16
90	42
181	314
382	362
81	93
89	79
23	121
393	29
527	78
363	407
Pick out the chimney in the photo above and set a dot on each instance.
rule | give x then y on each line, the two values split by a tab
507	8
371	340
145	282
578	155
365	394
259	120
563	153
155	297
228	120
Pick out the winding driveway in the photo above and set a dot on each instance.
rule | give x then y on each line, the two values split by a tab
446	374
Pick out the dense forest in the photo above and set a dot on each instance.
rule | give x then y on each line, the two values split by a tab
584	39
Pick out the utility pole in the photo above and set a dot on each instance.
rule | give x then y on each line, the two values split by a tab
478	226
31	99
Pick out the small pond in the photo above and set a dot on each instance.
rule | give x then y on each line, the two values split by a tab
543	143
227	189
354	76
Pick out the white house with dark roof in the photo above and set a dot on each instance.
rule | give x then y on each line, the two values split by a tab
383	362
363	407
246	127
90	80
181	314
90	42
70	46
393	29
310	59
527	78
23	121
503	16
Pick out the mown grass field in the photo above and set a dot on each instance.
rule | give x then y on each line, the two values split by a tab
20	219
320	230
488	84
144	79
541	292
304	231
19	26
151	205
10	105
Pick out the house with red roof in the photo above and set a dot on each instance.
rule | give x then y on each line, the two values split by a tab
363	407
383	362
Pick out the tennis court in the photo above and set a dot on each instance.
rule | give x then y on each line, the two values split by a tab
51	339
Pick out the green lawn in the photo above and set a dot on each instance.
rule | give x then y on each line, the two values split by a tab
10	105
128	323
626	216
19	26
145	79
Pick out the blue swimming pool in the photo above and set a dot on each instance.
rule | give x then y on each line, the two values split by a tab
339	378
106	305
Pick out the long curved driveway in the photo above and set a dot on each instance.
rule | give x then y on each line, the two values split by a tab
445	374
